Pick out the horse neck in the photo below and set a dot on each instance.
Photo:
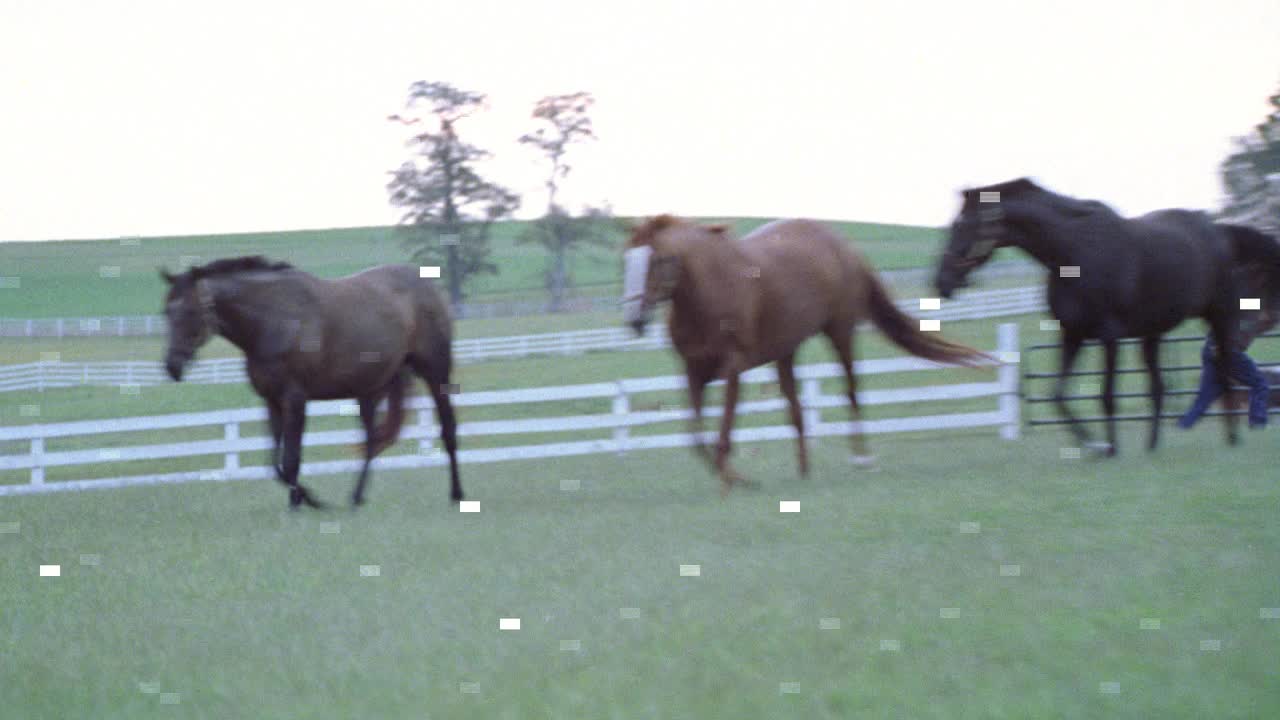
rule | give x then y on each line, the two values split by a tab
233	317
1037	232
712	267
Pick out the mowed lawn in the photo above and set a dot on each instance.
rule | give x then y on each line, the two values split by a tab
968	577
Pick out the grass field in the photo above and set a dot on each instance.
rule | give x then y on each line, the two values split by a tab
67	279
969	577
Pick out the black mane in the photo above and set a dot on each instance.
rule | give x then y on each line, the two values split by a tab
1023	187
228	266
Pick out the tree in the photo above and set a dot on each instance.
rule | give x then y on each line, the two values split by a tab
563	121
1251	175
449	207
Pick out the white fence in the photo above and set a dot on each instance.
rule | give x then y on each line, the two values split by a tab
1005	416
49	374
150	325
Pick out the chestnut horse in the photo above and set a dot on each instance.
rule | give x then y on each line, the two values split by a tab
305	338
739	304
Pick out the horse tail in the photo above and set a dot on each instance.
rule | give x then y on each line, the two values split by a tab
387	432
905	332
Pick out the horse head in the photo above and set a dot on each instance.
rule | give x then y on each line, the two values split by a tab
653	264
190	313
976	232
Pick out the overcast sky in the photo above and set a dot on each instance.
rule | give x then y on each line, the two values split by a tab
138	117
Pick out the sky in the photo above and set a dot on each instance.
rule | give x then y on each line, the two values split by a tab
138	117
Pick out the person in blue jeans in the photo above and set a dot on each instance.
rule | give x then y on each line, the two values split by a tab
1240	368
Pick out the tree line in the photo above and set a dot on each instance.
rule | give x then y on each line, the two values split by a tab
1251	175
450	209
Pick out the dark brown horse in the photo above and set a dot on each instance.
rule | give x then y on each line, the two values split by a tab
739	304
305	338
1112	277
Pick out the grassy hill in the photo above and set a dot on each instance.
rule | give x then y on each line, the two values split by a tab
118	276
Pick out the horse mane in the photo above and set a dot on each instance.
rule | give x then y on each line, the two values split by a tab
228	266
648	230
1023	187
644	234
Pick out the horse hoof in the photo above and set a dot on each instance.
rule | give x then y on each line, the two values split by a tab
356	502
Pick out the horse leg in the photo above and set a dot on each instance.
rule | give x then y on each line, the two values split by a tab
448	435
841	337
294	422
1151	355
727	474
368	418
1222	338
1071	344
275	420
697	393
1110	350
787	381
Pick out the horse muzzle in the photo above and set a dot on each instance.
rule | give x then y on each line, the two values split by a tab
175	367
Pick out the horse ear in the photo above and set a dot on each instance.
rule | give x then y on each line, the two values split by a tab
166	275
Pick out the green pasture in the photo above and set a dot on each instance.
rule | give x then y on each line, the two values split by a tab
968	577
118	277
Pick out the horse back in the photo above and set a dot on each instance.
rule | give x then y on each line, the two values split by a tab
809	277
370	323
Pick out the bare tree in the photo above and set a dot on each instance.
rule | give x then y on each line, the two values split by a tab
563	120
449	207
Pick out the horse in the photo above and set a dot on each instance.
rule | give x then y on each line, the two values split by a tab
306	338
1112	277
738	304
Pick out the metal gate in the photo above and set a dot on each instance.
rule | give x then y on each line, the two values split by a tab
1185	375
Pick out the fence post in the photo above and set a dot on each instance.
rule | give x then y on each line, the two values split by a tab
37	457
40	376
1007	374
621	408
59	327
120	325
29	328
128	373
148	325
230	434
810	389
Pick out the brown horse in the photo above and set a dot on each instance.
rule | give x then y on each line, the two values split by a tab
739	304
305	338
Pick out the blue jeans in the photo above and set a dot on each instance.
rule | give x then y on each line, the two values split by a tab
1239	368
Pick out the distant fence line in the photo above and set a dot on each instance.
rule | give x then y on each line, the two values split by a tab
152	325
37	456
44	375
